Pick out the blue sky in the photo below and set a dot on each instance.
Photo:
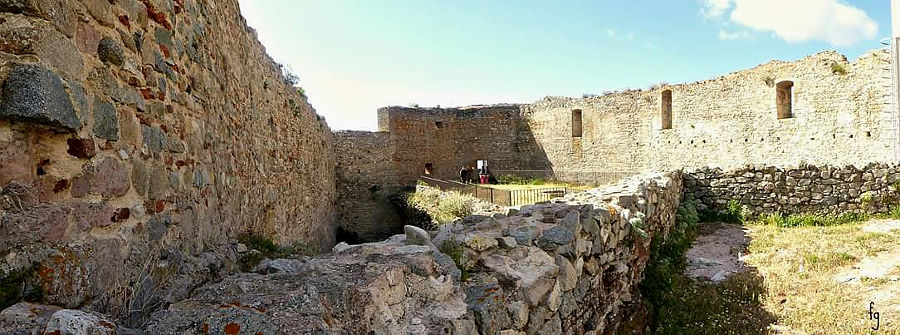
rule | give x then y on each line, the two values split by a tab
355	56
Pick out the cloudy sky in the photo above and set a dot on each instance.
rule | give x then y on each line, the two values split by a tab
355	56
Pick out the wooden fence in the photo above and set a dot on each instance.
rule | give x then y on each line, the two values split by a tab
499	196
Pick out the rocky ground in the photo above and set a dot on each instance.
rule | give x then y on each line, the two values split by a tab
718	252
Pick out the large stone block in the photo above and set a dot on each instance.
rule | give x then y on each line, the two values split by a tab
106	120
35	94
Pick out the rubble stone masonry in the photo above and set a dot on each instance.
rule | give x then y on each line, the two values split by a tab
138	139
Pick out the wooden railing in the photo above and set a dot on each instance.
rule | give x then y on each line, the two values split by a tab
499	196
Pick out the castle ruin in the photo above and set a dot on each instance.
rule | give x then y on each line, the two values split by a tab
140	138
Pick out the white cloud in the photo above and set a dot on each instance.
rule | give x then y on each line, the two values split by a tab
794	21
725	35
715	8
619	36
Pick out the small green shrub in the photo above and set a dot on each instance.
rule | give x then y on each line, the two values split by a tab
839	69
269	249
733	213
667	262
457	254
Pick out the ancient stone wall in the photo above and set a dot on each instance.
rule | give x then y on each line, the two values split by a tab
367	184
449	138
841	114
792	190
567	267
138	139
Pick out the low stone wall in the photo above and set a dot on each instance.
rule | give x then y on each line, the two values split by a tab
804	189
571	266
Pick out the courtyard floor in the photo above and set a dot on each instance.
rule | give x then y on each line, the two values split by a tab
751	279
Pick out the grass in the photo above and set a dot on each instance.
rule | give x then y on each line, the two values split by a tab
269	249
442	206
799	265
793	262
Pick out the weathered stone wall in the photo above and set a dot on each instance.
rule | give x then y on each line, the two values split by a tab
450	138
803	189
367	183
138	139
728	121
841	114
567	267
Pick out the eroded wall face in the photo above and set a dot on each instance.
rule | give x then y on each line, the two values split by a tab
139	138
367	186
837	118
451	138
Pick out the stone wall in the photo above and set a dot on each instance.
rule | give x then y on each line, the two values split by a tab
838	118
367	184
567	267
841	114
139	139
449	138
803	189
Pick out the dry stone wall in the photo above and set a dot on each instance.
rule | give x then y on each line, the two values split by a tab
138	140
803	189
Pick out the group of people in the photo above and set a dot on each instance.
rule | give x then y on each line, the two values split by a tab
468	174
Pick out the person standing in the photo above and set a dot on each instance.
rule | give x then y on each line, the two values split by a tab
463	175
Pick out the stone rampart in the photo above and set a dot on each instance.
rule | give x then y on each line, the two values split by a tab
138	140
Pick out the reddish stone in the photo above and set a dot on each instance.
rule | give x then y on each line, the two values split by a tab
121	214
108	178
157	16
61	185
87	39
160	206
145	92
87	215
170	108
112	178
232	328
81	148
165	51
183	163
125	21
161	96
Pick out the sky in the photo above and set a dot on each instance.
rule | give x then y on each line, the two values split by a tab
354	56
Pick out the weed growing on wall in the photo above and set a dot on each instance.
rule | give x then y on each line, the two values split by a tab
838	69
269	249
667	262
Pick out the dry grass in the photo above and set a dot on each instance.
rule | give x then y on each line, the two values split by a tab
799	265
442	206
